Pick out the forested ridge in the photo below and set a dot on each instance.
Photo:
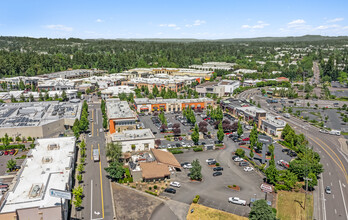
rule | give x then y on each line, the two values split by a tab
35	56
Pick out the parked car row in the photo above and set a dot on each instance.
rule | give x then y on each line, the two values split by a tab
289	152
7	152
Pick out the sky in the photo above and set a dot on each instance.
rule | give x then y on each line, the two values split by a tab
201	19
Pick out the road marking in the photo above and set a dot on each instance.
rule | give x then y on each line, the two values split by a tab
92	152
92	122
342	169
91	197
331	183
327	164
335	211
330	173
333	196
345	172
344	201
101	183
323	195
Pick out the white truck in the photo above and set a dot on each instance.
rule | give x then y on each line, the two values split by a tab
237	201
96	156
287	115
335	132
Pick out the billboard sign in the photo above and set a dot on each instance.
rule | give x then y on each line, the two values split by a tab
264	139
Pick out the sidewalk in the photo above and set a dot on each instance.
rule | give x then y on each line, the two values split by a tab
343	143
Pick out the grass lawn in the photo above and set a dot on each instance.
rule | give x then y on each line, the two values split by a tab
285	200
204	212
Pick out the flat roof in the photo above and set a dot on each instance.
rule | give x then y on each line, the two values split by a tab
140	101
131	135
25	114
118	109
48	165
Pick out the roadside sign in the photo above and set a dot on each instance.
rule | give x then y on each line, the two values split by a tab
264	139
266	188
60	194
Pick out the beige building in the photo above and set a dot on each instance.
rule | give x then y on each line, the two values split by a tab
120	115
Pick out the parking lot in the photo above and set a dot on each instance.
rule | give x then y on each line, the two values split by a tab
5	158
214	191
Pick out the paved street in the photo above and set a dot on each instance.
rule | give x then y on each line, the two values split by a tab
335	162
97	202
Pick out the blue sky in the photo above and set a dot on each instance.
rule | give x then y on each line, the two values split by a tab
172	18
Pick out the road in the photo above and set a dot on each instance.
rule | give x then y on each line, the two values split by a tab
316	74
335	163
98	200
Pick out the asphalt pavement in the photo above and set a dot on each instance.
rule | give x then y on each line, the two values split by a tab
98	200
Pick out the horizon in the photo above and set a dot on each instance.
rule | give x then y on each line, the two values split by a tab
173	20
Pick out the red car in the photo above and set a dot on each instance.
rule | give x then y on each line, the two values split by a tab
6	152
242	143
246	139
12	151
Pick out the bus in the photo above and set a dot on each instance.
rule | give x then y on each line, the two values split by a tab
96	156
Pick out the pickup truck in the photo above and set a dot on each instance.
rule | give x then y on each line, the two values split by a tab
237	200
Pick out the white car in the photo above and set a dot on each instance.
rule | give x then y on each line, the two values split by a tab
248	169
237	200
175	184
187	166
279	162
90	135
210	160
184	145
238	159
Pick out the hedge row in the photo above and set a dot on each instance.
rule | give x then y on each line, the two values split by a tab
196	149
152	193
175	151
15	146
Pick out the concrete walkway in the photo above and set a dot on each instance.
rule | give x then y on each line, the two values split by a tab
343	143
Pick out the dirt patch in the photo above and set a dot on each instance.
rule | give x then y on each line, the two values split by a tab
130	204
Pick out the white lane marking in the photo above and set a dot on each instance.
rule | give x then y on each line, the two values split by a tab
335	211
327	164
91	197
323	195
333	196
331	183
344	201
330	173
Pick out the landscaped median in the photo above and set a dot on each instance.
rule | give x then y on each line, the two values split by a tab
204	212
295	200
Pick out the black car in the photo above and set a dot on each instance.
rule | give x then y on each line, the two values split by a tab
170	190
154	132
217	174
185	163
218	169
285	150
211	162
292	154
178	145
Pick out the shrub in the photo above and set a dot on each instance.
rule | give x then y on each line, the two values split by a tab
197	149
240	152
21	157
175	151
195	200
234	185
152	193
14	146
155	186
150	188
133	187
217	164
197	196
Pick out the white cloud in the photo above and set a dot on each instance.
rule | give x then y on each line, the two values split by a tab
335	20
323	27
259	25
297	22
99	20
168	25
196	23
59	27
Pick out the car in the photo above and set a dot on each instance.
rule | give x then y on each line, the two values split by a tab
237	201
293	154
248	169
154	132
285	150
328	190
212	163
234	157
238	159
243	164
1	153
209	160
170	190
177	145
90	135
242	143
279	162
246	139
6	152
187	166
184	163
175	184
91	120
217	174
176	139
12	151
218	169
